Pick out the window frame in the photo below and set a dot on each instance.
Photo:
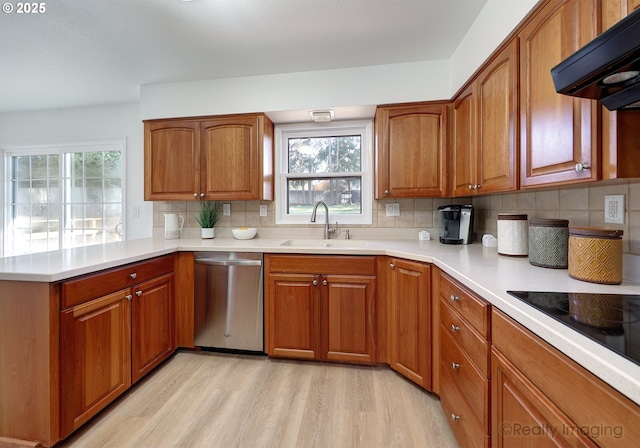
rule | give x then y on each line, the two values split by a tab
7	152
284	132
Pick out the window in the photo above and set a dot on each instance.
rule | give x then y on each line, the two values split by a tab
63	197
330	163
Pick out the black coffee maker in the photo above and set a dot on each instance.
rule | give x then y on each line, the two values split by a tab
456	224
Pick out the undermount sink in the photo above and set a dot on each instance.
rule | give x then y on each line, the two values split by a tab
324	243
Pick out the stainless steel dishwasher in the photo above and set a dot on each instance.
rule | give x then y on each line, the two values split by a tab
229	307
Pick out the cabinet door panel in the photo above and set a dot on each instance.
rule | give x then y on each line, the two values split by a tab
410	321
497	109
152	325
557	131
464	144
172	160
231	158
95	359
349	311
293	310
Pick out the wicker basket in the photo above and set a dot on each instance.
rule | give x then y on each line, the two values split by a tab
548	243
595	255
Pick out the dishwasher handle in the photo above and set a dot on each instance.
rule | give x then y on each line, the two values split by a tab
232	262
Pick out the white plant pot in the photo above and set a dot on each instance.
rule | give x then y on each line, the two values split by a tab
208	233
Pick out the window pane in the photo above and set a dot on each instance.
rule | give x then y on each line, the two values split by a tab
93	191
340	154
113	164
21	167
93	164
342	195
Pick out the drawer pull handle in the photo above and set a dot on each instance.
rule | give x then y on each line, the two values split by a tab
392	266
455	365
133	276
138	293
315	282
454	328
454	417
325	283
128	297
454	298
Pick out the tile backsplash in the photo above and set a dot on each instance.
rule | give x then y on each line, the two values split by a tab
582	206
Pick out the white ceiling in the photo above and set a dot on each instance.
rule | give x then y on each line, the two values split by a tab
89	52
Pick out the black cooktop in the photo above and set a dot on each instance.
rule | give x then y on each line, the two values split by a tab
613	320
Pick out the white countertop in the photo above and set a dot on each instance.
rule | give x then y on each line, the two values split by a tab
481	269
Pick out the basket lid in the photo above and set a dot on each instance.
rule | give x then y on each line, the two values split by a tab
596	232
541	222
512	216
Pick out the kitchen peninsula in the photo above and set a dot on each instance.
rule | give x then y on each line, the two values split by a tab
478	269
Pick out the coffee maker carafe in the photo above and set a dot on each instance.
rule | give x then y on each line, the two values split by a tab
456	224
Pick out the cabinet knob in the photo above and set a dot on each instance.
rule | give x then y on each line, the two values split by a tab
386	192
392	266
315	282
128	297
325	283
454	328
195	195
454	298
581	167
455	365
133	276
138	293
202	195
454	417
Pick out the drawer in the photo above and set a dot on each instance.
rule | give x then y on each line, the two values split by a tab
463	422
469	380
475	310
88	287
474	345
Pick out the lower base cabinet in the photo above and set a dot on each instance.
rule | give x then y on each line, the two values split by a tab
321	308
109	340
542	398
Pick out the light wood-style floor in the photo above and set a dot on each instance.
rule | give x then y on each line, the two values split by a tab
219	400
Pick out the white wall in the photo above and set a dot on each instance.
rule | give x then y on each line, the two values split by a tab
60	126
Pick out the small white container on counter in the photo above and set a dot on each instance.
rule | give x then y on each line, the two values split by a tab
513	234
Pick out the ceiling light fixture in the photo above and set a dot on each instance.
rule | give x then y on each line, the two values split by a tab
321	116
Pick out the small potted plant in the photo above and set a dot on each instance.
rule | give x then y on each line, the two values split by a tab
208	216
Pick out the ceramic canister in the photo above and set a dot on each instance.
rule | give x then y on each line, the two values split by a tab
595	255
548	243
513	234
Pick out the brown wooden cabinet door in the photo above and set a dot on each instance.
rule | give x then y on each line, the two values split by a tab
95	357
293	315
410	151
231	158
523	416
410	317
556	131
171	160
152	325
348	313
497	106
464	147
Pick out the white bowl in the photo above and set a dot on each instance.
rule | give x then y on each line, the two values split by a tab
244	233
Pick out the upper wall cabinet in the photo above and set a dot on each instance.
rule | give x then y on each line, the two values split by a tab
484	135
557	132
410	150
212	158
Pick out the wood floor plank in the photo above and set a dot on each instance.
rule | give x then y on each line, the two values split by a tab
205	399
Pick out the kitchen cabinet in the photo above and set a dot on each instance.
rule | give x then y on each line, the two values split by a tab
542	398
464	362
213	158
321	307
115	327
410	320
410	152
484	135
557	132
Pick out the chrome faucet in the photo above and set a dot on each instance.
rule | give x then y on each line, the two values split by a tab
327	230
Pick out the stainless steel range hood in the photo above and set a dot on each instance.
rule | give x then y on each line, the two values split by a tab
606	69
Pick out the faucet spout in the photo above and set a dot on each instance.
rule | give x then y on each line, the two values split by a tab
327	230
